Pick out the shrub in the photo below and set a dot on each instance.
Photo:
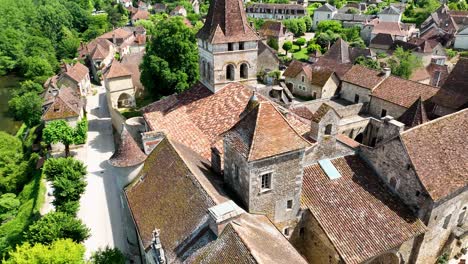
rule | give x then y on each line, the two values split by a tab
61	251
108	255
81	131
300	42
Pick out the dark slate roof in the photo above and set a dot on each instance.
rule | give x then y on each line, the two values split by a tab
454	92
128	152
438	73
263	132
226	22
415	114
168	195
360	216
353	17
342	53
382	39
439	153
390	10
326	7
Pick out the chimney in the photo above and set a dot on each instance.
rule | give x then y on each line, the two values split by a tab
253	102
156	246
387	72
113	38
223	214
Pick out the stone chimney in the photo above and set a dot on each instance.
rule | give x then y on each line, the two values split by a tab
253	102
156	246
223	214
387	72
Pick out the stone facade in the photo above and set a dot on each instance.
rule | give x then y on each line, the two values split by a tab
121	91
224	63
349	92
300	85
381	108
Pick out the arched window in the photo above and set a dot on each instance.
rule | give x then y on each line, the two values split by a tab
203	70
230	72
328	129
393	182
244	71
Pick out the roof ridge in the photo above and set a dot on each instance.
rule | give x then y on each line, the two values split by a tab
255	129
434	121
290	126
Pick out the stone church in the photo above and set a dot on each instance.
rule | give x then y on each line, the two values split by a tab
231	177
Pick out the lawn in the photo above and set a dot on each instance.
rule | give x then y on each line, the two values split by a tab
300	53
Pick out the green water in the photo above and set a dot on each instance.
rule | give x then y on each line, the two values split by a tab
7	124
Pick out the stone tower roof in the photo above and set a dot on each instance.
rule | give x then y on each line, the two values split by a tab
226	22
128	153
415	115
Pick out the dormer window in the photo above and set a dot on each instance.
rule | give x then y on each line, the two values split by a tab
230	46
328	129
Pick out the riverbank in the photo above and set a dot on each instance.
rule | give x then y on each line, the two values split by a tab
7	84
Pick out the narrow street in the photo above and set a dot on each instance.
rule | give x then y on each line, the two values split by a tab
100	205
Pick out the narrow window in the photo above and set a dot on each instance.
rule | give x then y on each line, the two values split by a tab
314	95
302	232
286	231
230	46
418	193
235	170
328	129
461	217
303	78
408	167
447	221
241	45
393	182
356	98
244	71
289	204
230	72
266	182
383	113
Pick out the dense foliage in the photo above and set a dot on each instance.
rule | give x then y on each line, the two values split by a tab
368	62
59	131
171	60
108	255
13	164
328	31
59	252
404	63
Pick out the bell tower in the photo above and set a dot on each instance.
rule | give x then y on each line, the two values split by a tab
227	46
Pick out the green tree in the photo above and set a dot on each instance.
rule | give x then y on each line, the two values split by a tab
13	166
59	131
9	205
300	42
325	39
27	108
59	252
6	64
71	168
57	225
81	131
308	22
313	47
273	43
108	255
287	46
368	62
329	25
171	60
37	69
404	63
338	3
28	86
68	46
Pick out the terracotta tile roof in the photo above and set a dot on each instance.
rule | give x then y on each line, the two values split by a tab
360	216
339	52
403	92
66	104
263	132
320	75
77	72
141	14
392	28
167	195
197	117
415	114
226	22
439	153
357	72
303	112
294	68
382	39
128	152
97	49
438	73
348	141
272	29
419	75
119	33
454	92
117	70
132	62
339	68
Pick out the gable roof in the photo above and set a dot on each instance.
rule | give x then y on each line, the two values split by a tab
454	92
128	152
358	214
342	53
77	72
294	68
392	28
357	72
132	62
117	70
65	105
119	33
326	7
226	22
439	153
382	39
140	14
415	114
264	132
403	92
390	10
272	29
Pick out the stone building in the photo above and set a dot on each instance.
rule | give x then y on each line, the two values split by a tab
324	12
76	77
275	31
119	86
267	58
99	53
390	14
62	104
276	11
398	30
228	54
127	40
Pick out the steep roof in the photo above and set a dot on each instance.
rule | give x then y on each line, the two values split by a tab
66	104
117	70
226	22
439	153
403	92
357	72
128	152
415	114
454	92
438	73
382	39
168	195
294	68
264	132
272	29
77	72
359	215
119	33
339	51
390	10
132	62
326	7
141	14
339	68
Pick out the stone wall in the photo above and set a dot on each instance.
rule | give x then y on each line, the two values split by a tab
348	92
321	16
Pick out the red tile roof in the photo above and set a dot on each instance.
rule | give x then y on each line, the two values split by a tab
118	33
357	72
403	92
227	22
66	104
140	14
128	152
439	153
77	72
360	216
117	70
263	132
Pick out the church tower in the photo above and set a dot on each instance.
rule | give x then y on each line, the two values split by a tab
227	46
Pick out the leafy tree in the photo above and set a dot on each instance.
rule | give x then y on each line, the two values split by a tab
313	47
57	225
64	167
9	205
59	252
325	39
273	43
6	63
81	131
108	255
368	62
59	131
68	46
287	46
404	63
27	108
329	25
300	42
37	69
28	86
171	61
13	166
337	3
308	22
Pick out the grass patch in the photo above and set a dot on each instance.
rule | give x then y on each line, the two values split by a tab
31	198
300	54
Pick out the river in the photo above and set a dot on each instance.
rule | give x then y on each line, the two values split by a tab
7	124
